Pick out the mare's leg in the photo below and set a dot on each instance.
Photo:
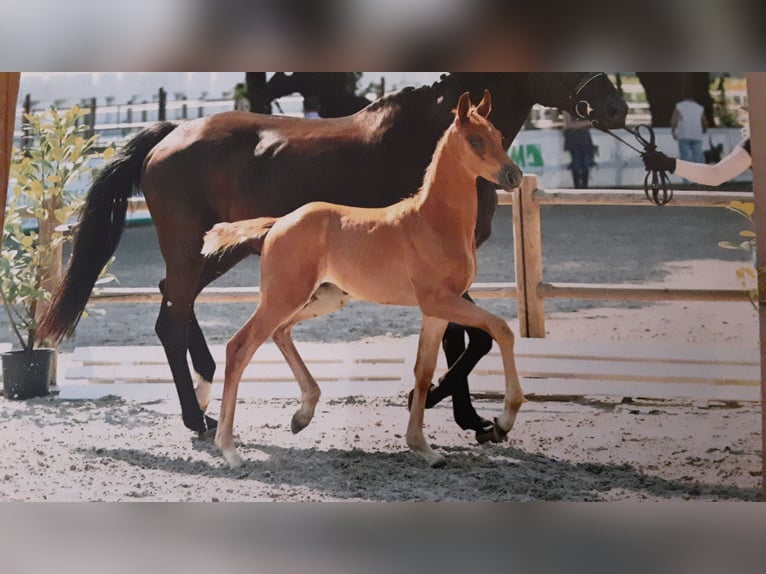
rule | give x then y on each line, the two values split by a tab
456	309
461	361
431	332
201	358
173	327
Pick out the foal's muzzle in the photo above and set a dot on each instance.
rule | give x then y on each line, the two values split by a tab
509	177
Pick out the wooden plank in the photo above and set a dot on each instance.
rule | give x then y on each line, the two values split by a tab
604	291
681	198
498	290
586	369
756	84
492	388
258	372
640	351
311	353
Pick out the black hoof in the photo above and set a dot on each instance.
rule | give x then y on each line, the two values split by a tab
428	396
440	463
296	426
209	429
491	432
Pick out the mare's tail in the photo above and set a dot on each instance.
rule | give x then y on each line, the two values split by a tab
225	236
98	232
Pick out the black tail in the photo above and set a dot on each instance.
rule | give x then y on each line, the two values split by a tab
99	232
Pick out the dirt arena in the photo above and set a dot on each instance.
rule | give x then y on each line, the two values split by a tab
118	448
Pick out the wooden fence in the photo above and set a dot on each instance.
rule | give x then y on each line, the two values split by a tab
530	288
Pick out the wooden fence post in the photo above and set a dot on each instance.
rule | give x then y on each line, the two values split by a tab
9	92
527	238
756	85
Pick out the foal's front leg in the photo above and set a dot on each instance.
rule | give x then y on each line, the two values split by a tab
455	309
431	332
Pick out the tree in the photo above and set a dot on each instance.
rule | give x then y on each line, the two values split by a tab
665	89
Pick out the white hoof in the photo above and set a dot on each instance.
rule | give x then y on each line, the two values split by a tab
506	421
232	458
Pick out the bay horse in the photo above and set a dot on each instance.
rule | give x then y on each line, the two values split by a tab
238	165
327	87
419	252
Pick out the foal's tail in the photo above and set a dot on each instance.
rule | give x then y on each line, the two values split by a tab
98	232
225	236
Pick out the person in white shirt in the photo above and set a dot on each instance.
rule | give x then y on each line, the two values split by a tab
689	125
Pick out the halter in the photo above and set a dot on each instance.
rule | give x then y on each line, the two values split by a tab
657	187
574	100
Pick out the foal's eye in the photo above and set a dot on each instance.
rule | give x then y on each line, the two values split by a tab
475	141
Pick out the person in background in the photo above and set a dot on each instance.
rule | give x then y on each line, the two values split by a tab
689	124
579	144
311	107
241	102
729	167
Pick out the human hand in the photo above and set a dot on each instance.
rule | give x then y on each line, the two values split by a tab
658	161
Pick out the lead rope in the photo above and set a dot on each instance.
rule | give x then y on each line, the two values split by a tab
657	186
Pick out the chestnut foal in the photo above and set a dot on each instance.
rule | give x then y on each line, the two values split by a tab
420	252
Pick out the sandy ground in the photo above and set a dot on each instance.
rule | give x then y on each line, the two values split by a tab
119	448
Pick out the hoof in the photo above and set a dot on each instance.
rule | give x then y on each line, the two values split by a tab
204	427
488	432
296	425
440	462
210	428
500	434
233	459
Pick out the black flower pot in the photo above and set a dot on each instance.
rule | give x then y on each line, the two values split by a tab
28	374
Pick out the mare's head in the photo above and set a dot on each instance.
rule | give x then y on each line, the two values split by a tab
586	95
482	143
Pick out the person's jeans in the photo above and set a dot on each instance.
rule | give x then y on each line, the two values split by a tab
691	150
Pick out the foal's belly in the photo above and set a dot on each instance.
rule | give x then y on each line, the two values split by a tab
385	283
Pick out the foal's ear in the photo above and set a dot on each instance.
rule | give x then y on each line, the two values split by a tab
485	105
463	105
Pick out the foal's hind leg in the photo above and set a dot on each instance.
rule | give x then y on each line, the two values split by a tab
310	391
328	298
431	332
239	350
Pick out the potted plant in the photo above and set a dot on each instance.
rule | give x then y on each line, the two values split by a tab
54	156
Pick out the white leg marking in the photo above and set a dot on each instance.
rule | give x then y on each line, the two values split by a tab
203	389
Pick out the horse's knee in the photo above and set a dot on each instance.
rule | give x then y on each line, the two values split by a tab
503	332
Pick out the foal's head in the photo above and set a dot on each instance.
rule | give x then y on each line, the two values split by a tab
482	143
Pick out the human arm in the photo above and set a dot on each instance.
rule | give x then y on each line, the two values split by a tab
713	175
